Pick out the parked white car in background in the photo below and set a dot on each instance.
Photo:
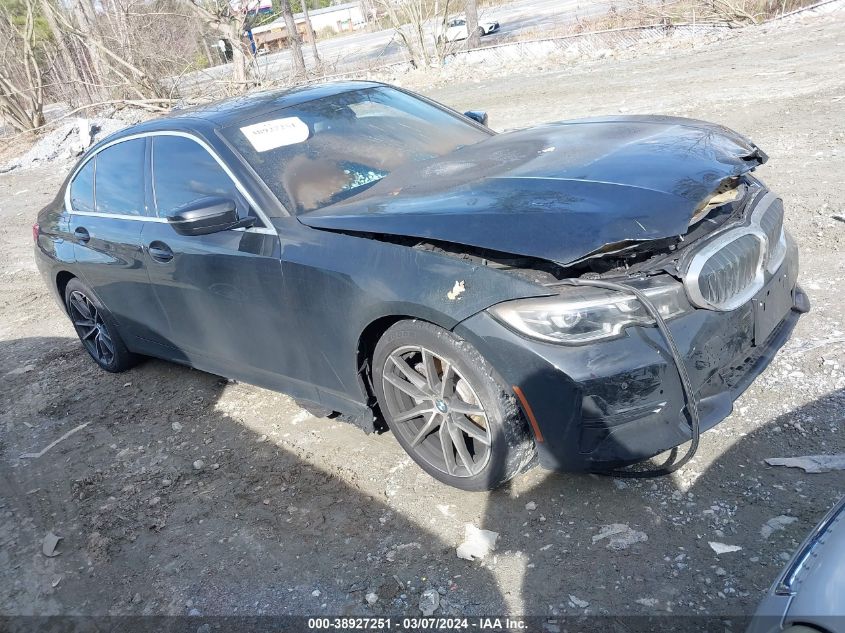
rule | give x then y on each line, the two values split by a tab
456	29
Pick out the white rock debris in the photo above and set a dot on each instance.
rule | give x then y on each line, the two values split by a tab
577	602
429	602
301	417
20	371
619	536
723	548
477	542
66	141
648	602
530	506
812	464
776	524
48	545
371	598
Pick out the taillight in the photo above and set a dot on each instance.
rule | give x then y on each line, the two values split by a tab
35	231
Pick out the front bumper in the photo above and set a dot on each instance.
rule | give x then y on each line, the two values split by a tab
620	401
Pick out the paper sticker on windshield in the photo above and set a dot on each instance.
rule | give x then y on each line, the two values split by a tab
276	133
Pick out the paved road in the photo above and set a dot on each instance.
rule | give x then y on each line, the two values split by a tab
381	47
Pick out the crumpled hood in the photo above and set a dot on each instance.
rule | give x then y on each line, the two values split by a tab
557	192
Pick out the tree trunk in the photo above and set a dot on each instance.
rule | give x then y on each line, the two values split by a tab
85	25
311	35
473	32
293	38
231	29
239	63
212	61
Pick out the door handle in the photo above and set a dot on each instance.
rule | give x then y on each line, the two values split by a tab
160	252
81	234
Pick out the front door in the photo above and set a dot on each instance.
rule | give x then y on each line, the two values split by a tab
221	293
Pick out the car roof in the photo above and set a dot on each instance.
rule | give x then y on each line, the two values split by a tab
223	113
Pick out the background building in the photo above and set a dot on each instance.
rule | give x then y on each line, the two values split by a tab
337	19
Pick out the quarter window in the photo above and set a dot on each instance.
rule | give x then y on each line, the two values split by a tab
119	181
183	172
82	188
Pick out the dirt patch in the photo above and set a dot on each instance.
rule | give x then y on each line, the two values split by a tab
13	145
186	492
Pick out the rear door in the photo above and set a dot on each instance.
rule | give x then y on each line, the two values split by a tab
220	294
108	203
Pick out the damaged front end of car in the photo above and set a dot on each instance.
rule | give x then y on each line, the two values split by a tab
697	248
728	291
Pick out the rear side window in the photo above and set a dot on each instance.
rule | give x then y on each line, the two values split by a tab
183	172
119	181
82	188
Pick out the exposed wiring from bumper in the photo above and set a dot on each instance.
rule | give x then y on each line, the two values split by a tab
689	396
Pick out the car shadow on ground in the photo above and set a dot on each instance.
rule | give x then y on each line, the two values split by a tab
655	558
168	504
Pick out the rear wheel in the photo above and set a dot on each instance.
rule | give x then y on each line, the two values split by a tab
95	328
447	409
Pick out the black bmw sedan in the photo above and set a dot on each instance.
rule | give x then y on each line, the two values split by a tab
584	294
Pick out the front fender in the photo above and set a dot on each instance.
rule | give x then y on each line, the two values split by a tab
336	285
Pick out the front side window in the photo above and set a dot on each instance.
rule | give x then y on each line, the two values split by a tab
82	188
119	180
184	172
334	148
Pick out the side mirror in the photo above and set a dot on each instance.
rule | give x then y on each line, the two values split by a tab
207	215
477	115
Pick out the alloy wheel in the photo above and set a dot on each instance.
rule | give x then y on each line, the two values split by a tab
436	411
92	329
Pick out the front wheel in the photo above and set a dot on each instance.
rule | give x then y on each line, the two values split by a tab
96	329
447	408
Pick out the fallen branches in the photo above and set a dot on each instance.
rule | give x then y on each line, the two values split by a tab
53	443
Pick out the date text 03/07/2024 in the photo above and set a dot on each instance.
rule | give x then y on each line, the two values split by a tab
417	624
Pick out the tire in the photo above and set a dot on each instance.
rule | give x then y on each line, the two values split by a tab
479	410
96	329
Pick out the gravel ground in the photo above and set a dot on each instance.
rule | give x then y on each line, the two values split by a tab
185	493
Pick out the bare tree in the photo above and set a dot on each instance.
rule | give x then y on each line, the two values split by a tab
473	30
109	59
21	77
295	41
228	22
71	70
311	35
90	53
410	20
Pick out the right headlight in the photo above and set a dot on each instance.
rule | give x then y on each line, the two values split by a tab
583	314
